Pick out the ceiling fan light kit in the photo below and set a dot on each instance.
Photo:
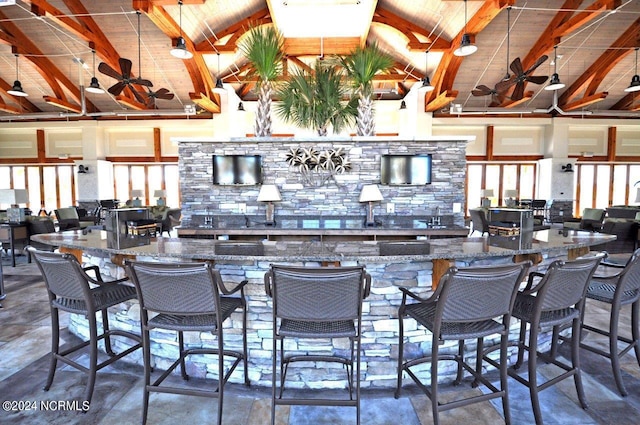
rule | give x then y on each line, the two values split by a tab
17	90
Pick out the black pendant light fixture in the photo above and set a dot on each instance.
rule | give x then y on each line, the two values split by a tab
635	81
240	107
219	88
466	48
94	86
180	51
426	83
16	90
554	83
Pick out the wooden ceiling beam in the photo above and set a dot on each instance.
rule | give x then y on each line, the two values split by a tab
593	76
205	102
326	46
585	101
201	77
512	103
131	103
235	31
626	103
61	103
441	101
449	65
409	29
581	18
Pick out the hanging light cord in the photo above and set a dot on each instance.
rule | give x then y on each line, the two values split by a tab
465	16
555	59
17	70
180	4
506	76
636	68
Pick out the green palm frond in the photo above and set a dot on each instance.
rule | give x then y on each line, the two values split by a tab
315	100
363	64
264	49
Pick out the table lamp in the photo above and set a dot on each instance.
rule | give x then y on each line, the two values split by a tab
161	194
638	196
511	195
136	194
370	193
13	197
486	194
269	193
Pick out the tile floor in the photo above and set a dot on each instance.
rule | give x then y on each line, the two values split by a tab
25	339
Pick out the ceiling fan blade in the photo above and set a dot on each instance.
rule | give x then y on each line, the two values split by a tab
108	71
117	88
142	82
125	67
516	67
518	92
503	86
164	94
539	62
537	79
139	96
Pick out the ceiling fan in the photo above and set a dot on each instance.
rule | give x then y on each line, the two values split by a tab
151	96
521	77
124	77
496	97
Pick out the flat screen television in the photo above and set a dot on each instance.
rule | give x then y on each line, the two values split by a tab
237	169
405	169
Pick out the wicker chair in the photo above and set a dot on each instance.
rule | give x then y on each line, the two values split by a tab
186	297
317	302
552	300
464	306
71	289
617	290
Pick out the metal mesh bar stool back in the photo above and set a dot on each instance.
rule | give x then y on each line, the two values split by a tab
185	288
312	294
565	284
62	275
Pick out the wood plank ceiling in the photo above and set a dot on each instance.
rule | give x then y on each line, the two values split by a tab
595	39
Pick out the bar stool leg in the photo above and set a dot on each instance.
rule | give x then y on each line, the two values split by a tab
575	361
533	378
613	348
55	347
504	345
635	330
105	330
183	366
146	348
400	355
434	383
93	357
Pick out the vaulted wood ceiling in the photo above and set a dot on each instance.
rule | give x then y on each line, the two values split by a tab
595	39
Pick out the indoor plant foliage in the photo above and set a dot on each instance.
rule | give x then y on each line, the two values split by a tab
264	49
361	66
314	99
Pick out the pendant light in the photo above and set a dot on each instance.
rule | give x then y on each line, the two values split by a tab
180	51
555	83
219	88
635	81
466	48
16	90
507	75
94	86
426	84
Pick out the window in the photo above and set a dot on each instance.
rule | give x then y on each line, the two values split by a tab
147	178
499	178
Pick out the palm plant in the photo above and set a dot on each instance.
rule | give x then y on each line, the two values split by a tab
361	66
315	99
264	49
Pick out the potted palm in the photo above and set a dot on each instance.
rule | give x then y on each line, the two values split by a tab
264	49
361	66
315	99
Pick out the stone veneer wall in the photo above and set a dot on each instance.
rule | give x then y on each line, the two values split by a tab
199	194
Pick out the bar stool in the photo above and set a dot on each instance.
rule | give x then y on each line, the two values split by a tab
186	297
617	290
554	299
317	302
464	306
71	289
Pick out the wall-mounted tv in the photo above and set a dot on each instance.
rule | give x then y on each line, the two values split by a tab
237	169
405	169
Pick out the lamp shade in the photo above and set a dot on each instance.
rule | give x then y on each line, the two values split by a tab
638	196
511	193
137	193
159	193
487	193
370	193
14	196
269	193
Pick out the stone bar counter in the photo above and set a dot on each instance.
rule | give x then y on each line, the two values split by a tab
380	324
